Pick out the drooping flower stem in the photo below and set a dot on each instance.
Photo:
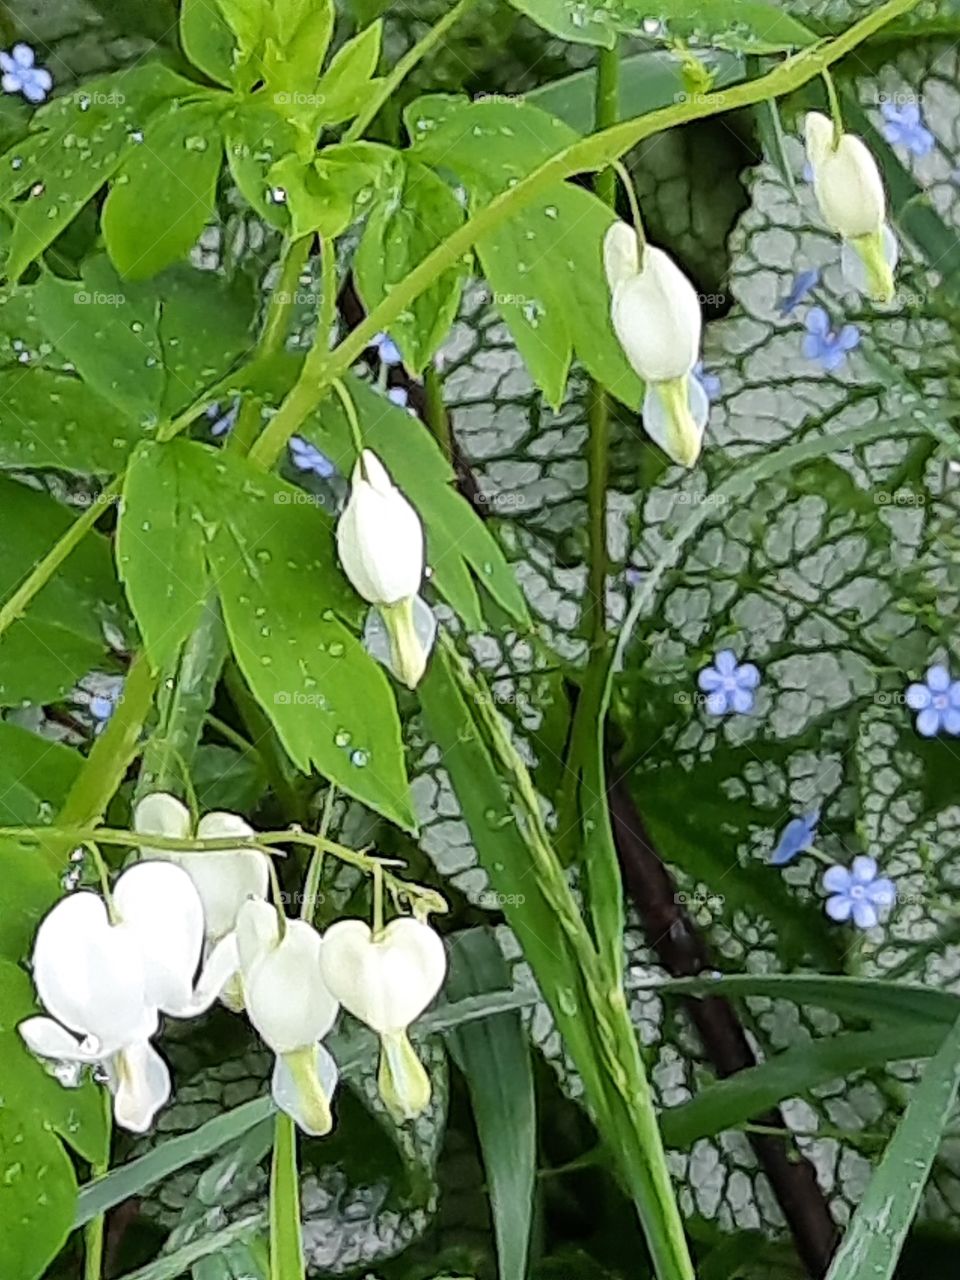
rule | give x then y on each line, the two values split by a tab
836	115
350	410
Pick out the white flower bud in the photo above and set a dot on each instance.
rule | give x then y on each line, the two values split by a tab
656	316
846	180
379	536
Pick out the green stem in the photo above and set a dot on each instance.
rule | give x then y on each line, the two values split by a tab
350	409
93	1232
585	155
438	420
43	571
403	69
836	115
286	1241
105	767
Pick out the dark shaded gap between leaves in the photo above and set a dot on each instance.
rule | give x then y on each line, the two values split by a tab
683	953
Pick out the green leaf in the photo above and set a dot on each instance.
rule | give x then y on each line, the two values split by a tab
415	213
212	519
90	133
747	1094
347	83
300	33
37	1184
35	776
164	194
55	420
751	26
30	889
872	1243
170	1266
160	550
257	138
60	637
494	1055
210	44
869	998
149	348
460	548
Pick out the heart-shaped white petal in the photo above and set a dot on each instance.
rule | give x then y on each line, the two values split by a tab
386	982
90	975
158	905
283	991
161	814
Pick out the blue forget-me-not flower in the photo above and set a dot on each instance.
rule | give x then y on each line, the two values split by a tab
827	346
904	127
858	893
22	75
729	685
937	702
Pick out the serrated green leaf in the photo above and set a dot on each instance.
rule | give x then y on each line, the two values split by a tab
163	195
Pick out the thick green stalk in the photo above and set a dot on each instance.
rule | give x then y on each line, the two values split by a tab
93	1232
584	156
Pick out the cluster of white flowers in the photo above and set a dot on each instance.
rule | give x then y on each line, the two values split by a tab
656	313
106	971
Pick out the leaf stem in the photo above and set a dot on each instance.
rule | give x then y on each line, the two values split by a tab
286	1240
403	69
14	607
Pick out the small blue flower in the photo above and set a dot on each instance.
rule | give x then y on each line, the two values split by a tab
796	837
21	75
709	381
904	127
827	347
858	892
100	694
308	458
807	171
399	396
729	685
222	420
803	283
388	352
937	700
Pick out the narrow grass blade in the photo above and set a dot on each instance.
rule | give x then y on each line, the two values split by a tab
494	1056
871	1247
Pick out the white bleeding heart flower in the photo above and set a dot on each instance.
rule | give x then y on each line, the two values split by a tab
851	196
381	548
387	981
292	1009
656	316
105	982
224	878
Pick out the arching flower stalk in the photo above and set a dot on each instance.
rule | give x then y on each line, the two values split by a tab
224	878
387	980
381	548
105	977
850	193
292	1009
656	316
